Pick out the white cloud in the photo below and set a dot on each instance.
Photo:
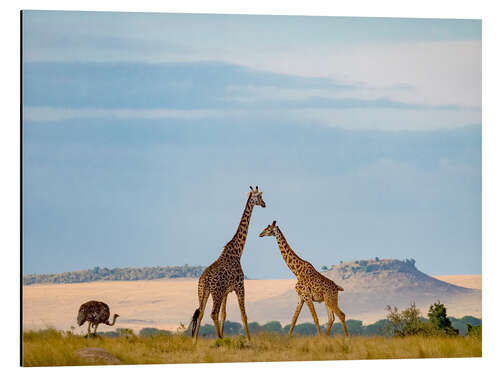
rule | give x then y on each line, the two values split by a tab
439	73
388	119
432	73
347	118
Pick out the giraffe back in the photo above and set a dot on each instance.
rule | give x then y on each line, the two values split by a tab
224	275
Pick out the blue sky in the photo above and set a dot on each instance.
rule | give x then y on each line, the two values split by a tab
142	132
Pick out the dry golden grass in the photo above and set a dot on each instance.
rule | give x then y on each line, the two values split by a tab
53	348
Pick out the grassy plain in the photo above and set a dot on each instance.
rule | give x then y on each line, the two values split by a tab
55	348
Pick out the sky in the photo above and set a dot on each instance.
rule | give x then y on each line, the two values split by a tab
143	131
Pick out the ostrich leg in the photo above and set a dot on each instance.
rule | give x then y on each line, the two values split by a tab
88	331
95	328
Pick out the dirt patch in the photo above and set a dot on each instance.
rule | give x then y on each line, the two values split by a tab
97	355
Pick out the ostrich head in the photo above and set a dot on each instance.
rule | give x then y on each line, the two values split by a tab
81	317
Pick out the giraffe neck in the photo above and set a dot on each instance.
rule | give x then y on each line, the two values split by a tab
236	245
293	261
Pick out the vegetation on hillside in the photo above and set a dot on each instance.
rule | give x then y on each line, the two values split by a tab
56	348
129	273
373	265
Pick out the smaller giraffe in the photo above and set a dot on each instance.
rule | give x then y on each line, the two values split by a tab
311	285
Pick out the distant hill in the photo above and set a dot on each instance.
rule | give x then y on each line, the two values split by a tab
390	276
371	285
129	273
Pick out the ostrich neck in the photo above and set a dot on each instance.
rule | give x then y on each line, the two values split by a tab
236	245
114	320
293	261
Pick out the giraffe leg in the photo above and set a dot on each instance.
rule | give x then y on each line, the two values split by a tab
223	315
331	300
331	318
313	313
240	292
217	300
341	316
203	303
300	302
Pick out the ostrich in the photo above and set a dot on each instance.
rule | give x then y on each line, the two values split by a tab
94	312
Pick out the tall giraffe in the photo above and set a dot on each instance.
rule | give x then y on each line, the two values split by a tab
226	275
311	285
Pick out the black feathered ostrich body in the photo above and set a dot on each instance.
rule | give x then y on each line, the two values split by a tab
95	313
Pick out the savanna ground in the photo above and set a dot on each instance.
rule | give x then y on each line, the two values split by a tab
164	303
57	348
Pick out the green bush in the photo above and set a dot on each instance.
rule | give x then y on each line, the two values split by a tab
406	322
304	329
273	326
207	330
254	327
439	320
152	332
232	328
474	331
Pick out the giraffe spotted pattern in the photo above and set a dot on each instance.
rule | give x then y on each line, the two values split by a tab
311	285
225	275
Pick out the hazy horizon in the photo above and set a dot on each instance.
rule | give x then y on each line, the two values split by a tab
143	131
290	276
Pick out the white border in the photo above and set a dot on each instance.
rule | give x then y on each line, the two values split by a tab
9	167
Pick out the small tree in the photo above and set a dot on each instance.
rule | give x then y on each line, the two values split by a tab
232	328
439	320
152	332
407	322
254	327
207	330
354	327
324	268
474	331
304	329
273	326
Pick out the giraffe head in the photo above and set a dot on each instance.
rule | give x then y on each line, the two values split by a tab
255	197
270	230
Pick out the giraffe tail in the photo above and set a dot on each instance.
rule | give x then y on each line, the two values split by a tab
194	321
